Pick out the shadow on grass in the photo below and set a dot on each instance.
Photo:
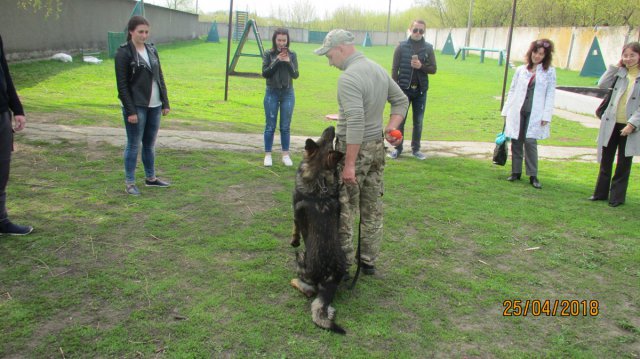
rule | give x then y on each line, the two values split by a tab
30	74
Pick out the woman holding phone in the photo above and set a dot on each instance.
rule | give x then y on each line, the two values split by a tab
619	127
279	67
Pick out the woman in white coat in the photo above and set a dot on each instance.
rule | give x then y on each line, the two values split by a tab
619	126
528	109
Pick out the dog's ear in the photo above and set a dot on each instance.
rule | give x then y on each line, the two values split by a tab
335	157
310	146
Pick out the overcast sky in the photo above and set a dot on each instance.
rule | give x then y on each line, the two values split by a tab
266	7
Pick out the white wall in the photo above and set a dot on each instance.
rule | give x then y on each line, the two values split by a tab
568	54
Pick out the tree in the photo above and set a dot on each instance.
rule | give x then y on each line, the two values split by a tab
438	5
627	12
185	5
454	13
302	12
490	13
299	14
49	7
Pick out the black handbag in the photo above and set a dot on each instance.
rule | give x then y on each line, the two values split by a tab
500	151
605	100
500	154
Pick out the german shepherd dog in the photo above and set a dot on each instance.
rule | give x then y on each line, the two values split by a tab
316	210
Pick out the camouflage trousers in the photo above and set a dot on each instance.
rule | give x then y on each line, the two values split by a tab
363	199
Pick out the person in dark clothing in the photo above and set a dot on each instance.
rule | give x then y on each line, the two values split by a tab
143	94
413	61
9	103
280	68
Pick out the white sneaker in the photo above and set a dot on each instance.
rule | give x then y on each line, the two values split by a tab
419	155
287	161
268	162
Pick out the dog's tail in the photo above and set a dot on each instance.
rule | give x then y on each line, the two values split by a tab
323	315
337	329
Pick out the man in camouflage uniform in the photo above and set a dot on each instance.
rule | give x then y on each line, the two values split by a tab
364	87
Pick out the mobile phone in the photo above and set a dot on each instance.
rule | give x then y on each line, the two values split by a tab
284	50
414	57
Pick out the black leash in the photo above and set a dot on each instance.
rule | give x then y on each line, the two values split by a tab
358	257
355	278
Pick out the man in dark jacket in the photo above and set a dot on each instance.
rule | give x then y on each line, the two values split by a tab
413	60
9	102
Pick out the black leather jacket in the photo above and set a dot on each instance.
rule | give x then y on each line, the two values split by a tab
134	77
8	97
279	74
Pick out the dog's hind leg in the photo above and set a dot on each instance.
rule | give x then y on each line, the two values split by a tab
322	313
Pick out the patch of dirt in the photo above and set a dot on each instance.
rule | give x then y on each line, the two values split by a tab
170	124
99	315
247	202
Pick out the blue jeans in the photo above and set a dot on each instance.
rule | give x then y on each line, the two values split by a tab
274	100
145	131
418	101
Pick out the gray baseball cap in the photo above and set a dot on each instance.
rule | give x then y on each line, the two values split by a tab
334	38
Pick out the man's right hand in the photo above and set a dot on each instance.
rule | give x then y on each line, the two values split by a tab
132	119
349	174
21	122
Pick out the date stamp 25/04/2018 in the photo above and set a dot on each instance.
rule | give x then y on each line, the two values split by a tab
550	308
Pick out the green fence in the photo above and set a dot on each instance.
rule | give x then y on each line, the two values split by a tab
114	40
317	36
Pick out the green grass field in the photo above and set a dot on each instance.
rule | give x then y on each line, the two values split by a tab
202	269
463	103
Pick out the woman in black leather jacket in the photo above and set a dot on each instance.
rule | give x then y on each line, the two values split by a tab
143	94
279	67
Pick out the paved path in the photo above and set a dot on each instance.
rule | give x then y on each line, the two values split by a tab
253	142
586	121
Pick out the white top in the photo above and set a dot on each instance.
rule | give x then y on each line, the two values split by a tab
154	101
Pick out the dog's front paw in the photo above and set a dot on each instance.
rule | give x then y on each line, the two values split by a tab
295	241
304	288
